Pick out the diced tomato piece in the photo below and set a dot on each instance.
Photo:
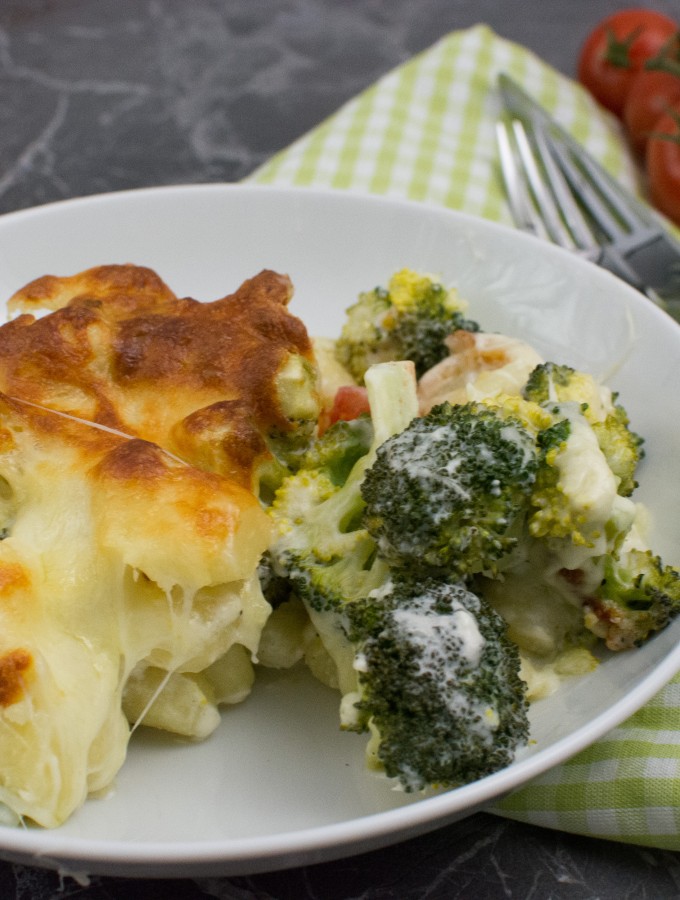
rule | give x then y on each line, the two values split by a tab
349	403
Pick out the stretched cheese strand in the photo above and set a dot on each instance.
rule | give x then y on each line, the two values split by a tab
100	530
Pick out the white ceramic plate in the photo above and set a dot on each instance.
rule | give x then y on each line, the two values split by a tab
278	785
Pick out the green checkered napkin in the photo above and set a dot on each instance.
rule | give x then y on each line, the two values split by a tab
425	132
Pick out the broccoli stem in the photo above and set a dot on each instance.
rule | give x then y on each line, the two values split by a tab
393	400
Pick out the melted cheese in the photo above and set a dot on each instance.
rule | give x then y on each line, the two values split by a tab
129	550
116	555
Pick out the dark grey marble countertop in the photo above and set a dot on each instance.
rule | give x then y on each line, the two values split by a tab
102	95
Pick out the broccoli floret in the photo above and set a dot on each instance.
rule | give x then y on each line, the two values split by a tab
451	490
339	448
438	683
552	515
408	320
638	595
576	507
458	682
559	383
588	462
621	446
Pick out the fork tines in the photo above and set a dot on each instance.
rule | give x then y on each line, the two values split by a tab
562	195
539	194
557	190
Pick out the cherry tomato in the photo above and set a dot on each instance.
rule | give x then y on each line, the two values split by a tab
651	94
617	49
662	162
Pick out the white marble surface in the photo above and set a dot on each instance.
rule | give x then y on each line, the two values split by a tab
100	95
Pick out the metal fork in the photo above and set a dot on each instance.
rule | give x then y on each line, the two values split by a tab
557	191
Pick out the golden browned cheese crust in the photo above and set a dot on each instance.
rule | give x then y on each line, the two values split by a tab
14	671
120	349
134	426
